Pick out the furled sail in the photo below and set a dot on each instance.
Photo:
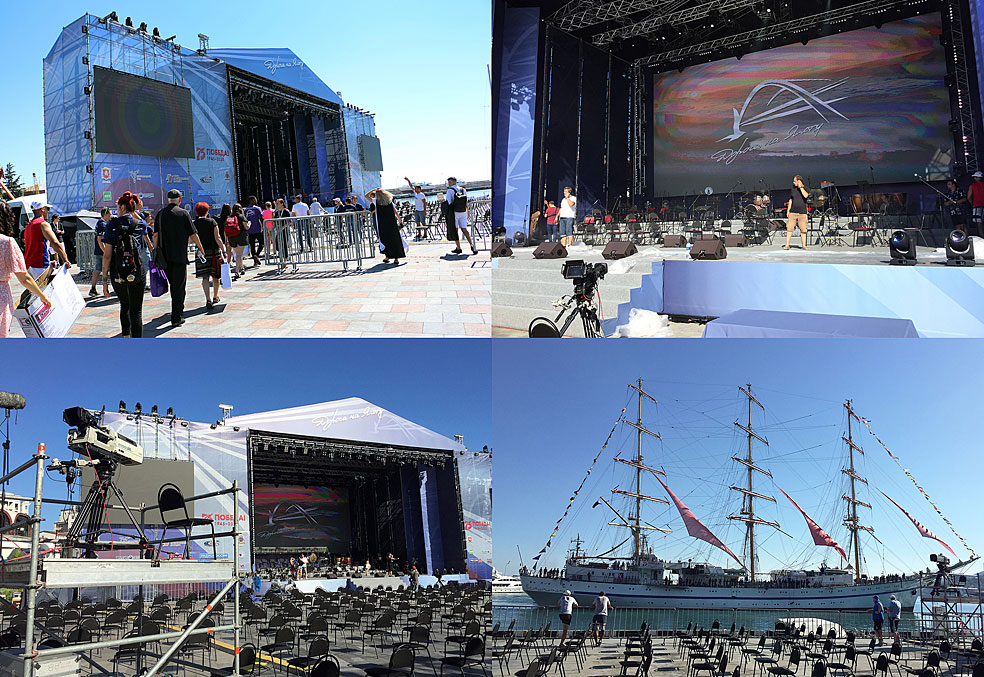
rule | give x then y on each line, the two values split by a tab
926	533
694	526
820	537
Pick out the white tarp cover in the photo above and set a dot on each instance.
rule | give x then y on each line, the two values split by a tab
353	419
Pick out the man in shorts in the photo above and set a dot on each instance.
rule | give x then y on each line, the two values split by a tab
566	605
601	606
894	616
877	618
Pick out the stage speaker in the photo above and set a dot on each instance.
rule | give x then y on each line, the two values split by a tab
550	250
674	241
501	249
618	250
736	240
709	250
959	249
902	249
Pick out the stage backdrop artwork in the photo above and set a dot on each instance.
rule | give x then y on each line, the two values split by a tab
866	105
292	516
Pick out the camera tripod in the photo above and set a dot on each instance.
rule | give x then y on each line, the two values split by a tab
580	305
93	512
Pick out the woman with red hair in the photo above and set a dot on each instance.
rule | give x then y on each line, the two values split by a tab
209	270
123	259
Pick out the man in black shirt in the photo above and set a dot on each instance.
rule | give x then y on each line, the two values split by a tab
796	211
955	203
173	229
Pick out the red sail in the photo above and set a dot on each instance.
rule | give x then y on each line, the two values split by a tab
820	537
694	526
926	533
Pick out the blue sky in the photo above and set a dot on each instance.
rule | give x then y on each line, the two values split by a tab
442	385
421	67
555	402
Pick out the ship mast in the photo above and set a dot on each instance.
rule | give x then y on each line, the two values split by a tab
851	521
637	532
747	512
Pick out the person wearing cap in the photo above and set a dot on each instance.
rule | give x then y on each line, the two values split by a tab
457	221
894	615
174	229
975	194
877	618
566	605
12	265
414	581
38	236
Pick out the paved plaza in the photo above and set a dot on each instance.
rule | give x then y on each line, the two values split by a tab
431	293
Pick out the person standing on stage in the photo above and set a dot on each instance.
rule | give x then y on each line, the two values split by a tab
568	212
955	203
457	215
550	213
796	211
976	196
254	233
174	229
38	235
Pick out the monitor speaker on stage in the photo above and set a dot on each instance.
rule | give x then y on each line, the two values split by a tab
501	249
674	241
550	250
736	240
618	250
708	250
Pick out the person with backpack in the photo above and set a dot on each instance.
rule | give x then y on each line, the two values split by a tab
456	215
877	618
123	259
224	213
254	216
234	228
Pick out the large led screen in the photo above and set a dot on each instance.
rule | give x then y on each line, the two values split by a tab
867	104
293	516
140	116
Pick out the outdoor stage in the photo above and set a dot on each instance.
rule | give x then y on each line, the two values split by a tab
940	301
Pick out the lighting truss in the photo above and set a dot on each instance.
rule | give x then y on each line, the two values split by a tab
346	451
796	28
669	16
583	13
962	79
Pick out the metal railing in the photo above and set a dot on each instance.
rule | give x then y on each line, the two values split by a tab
915	624
343	238
85	245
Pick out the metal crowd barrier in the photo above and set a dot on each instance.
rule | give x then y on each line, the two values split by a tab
85	245
343	238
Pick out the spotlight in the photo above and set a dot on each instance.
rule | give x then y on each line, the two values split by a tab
122	406
153	410
143	27
902	249
129	22
157	32
138	409
959	249
170	411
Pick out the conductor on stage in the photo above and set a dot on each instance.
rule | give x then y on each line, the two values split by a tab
796	211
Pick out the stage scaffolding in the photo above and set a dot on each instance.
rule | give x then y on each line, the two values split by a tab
952	616
54	573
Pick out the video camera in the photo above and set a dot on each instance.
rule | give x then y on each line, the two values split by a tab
942	562
585	275
86	437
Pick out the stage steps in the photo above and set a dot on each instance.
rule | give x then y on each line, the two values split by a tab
524	288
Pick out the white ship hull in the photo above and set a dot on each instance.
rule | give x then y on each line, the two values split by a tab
507	585
546	592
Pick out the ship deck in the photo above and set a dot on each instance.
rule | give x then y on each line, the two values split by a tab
606	659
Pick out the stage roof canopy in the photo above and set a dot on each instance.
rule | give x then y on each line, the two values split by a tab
352	419
279	64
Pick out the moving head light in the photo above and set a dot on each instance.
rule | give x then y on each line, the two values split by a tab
87	437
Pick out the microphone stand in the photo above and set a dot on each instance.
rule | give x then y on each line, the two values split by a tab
731	197
946	198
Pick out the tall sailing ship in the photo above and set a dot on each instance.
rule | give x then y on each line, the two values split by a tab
644	580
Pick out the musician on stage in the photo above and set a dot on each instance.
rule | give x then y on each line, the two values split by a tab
796	214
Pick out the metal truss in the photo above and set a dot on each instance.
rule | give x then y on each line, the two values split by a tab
579	14
638	133
794	27
668	15
962	80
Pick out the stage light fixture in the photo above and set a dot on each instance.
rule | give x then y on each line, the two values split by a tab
157	32
122	406
153	410
170	39
170	411
138	408
129	22
959	249
143	27
902	249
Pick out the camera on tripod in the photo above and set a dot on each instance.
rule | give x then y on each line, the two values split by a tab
942	562
87	437
585	275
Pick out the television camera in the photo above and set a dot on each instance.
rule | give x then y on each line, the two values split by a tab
585	277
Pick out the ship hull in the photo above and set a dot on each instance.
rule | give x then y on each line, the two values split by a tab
546	591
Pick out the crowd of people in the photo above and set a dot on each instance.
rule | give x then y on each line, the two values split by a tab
133	244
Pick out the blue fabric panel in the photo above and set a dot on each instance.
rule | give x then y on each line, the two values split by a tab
776	324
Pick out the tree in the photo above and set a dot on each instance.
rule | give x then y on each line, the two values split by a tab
12	180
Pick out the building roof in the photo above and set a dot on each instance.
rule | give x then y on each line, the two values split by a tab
279	64
353	419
